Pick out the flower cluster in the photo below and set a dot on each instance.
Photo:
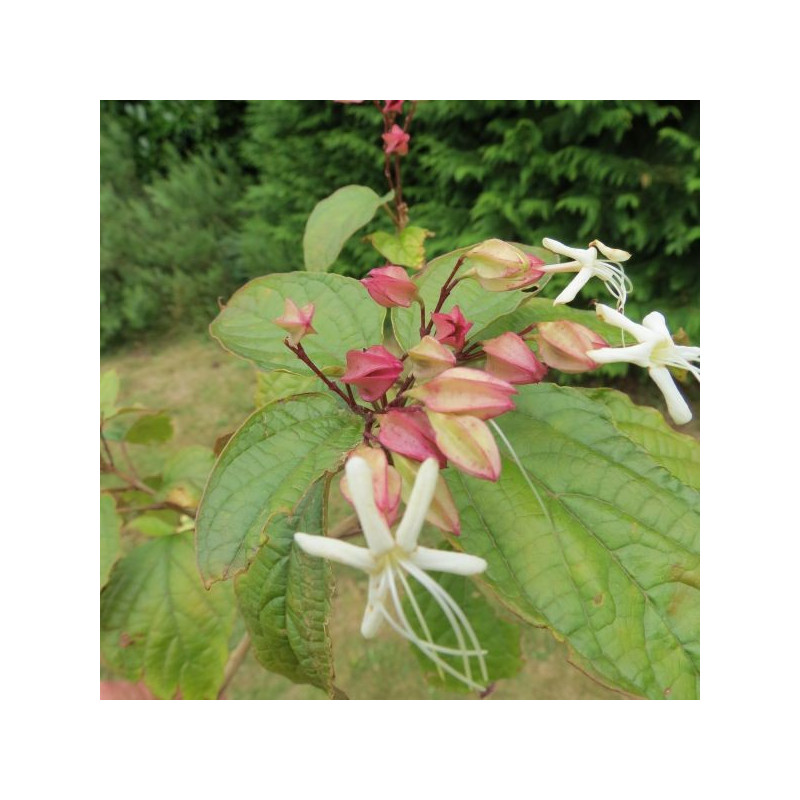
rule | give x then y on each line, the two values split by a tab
427	408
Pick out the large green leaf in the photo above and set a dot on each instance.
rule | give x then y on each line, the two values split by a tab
187	472
613	567
159	624
110	525
499	637
280	383
285	598
334	220
478	305
345	319
264	471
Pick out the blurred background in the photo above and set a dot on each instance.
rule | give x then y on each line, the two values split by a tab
198	197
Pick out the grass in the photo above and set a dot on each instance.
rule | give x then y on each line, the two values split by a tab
209	393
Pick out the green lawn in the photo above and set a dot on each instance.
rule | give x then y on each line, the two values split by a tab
209	393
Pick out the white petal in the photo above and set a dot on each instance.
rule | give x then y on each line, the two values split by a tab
611	253
374	613
335	550
448	561
655	322
563	250
613	317
638	354
417	505
574	286
373	525
678	407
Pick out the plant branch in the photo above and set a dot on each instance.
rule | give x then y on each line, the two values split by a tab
234	662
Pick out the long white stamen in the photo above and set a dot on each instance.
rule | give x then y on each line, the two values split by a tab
444	599
420	618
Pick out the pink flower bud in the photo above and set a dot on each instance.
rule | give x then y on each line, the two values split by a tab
563	345
442	511
386	481
372	371
466	391
390	286
451	328
508	357
468	444
393	106
500	267
297	321
429	358
396	141
408	432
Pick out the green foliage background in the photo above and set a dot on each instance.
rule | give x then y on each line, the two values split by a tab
199	196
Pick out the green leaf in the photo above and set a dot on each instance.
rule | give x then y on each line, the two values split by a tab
677	452
407	248
478	306
150	428
155	523
110	525
345	318
334	220
159	624
541	309
280	383
285	598
616	572
187	472
109	389
496	635
264	471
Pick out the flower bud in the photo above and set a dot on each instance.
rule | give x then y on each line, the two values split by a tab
396	141
451	328
563	345
501	267
297	321
386	481
442	511
509	358
429	358
466	391
408	432
395	106
390	286
372	371
468	444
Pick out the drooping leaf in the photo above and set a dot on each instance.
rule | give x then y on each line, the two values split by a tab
285	598
613	566
280	383
109	389
110	525
158	624
478	305
499	637
264	471
334	220
345	319
150	428
406	249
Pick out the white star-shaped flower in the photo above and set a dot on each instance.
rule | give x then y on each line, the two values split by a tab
656	351
587	265
388	559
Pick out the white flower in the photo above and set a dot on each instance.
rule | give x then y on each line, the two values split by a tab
387	559
587	265
656	351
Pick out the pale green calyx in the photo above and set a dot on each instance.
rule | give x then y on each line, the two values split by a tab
388	560
587	265
656	351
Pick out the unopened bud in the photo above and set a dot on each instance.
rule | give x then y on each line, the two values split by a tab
396	141
468	444
451	328
297	321
564	344
408	432
429	358
508	357
390	286
466	391
500	267
372	371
